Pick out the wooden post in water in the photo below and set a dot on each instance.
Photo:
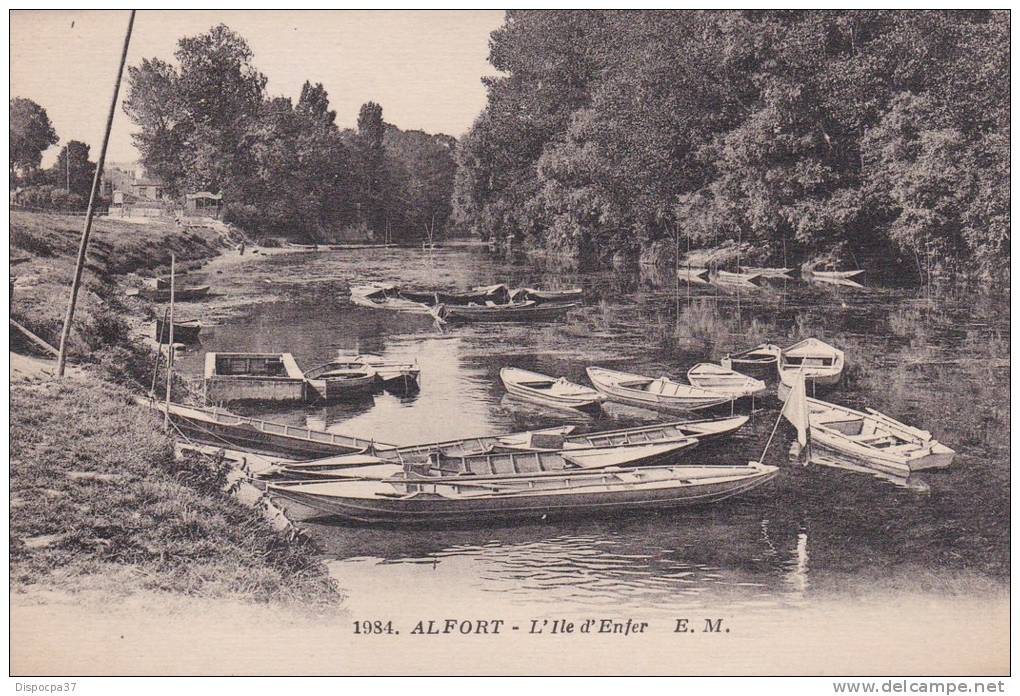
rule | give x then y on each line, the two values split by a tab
84	245
170	346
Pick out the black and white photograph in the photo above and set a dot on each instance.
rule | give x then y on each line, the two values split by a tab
491	342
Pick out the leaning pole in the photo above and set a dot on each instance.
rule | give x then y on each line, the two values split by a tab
84	245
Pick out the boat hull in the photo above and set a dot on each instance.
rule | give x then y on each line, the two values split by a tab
657	402
535	312
424	508
180	294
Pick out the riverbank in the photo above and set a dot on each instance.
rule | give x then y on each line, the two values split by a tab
99	502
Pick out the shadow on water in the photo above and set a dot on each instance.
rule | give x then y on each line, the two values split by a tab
940	362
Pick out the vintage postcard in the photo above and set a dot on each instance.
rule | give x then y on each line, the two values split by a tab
519	342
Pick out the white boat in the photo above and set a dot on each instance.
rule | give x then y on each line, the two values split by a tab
660	394
720	379
768	272
745	279
758	361
385	296
549	391
821	364
875	439
389	372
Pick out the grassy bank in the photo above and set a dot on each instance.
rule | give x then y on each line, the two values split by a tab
98	500
43	251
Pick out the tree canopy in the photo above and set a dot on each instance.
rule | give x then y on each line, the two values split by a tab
207	123
861	132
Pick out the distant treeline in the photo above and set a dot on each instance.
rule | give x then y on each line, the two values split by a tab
849	133
207	124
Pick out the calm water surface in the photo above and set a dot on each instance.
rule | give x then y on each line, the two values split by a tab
940	363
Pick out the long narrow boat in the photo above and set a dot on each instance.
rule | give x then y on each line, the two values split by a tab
694	276
184	331
875	439
661	394
180	294
549	391
728	278
537	295
767	272
528	310
837	275
758	361
220	428
303	247
821	364
724	380
499	294
702	430
409	499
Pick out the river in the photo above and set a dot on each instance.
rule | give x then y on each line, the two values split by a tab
816	533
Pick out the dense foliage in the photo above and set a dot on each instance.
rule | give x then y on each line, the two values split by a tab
856	133
283	168
30	133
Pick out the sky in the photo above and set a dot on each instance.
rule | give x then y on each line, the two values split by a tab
424	67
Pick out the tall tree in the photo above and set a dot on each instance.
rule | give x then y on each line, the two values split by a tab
371	161
30	134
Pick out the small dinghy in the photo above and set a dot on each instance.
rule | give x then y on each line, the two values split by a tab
758	361
549	391
338	380
720	379
745	279
411	499
694	276
821	364
390	373
659	394
875	439
529	310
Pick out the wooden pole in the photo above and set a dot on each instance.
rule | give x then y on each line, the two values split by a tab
159	353
170	347
84	245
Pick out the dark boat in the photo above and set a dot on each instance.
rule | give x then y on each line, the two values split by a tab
570	295
184	331
760	361
499	294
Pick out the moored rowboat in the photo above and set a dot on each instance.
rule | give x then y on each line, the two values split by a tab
537	295
223	429
837	275
694	276
184	331
760	360
550	391
409	499
875	439
660	394
180	294
717	378
728	278
767	272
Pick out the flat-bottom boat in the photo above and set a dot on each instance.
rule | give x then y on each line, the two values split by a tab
411	499
759	361
821	364
184	331
660	394
875	439
725	381
549	391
